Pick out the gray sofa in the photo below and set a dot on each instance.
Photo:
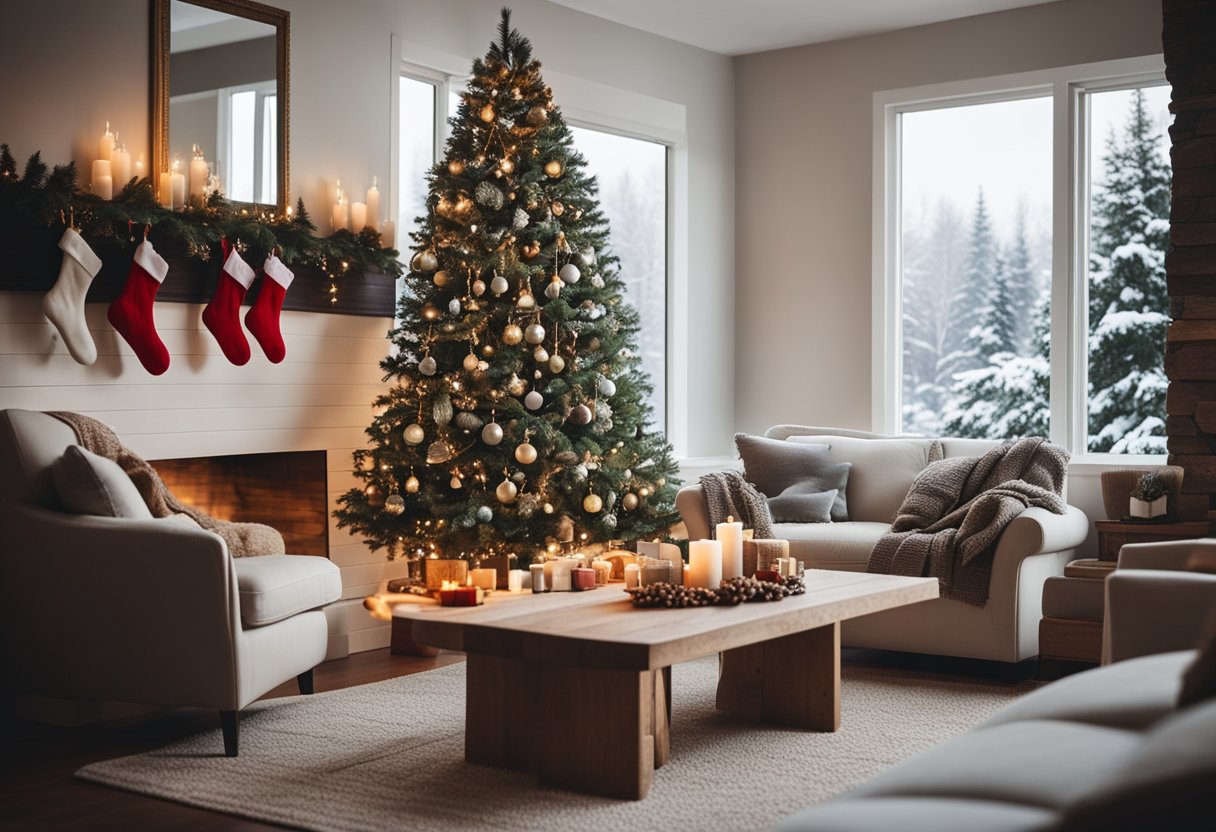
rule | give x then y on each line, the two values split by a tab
1034	547
157	611
1107	749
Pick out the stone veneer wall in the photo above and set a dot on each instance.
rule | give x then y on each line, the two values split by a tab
1189	39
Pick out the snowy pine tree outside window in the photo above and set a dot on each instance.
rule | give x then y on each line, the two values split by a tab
993	207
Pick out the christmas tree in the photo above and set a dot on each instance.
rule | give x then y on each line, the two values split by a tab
516	420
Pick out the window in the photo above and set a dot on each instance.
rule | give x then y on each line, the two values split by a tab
416	151
247	131
632	176
1020	233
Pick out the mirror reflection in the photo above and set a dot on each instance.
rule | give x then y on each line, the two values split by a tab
223	102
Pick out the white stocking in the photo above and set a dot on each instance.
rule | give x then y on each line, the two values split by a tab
64	304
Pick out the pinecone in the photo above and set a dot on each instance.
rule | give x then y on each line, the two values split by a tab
672	596
794	585
739	590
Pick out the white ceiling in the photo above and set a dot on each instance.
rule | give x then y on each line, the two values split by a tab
194	27
736	27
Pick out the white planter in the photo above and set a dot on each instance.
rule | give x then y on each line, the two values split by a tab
1142	508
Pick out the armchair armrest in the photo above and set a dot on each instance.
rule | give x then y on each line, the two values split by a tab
690	502
1037	530
1155	611
113	608
1170	554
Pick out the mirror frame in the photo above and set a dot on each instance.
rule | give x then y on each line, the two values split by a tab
280	19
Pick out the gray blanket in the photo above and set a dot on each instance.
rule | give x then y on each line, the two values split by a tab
957	508
729	495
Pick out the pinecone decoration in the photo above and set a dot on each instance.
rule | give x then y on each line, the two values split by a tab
794	585
739	590
672	596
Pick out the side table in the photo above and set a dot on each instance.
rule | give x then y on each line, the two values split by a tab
1113	534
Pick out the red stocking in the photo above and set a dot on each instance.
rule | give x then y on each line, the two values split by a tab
223	314
131	311
263	317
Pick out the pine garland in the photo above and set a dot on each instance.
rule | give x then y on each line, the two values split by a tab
42	197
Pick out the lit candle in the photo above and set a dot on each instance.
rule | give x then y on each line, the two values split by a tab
139	167
177	182
730	535
538	576
165	193
452	594
340	215
198	176
373	205
106	146
515	580
120	165
632	575
358	216
603	569
388	234
484	578
705	563
103	183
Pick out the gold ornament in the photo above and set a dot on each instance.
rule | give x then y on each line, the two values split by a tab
440	278
479	287
630	501
424	261
487	113
430	312
516	386
437	452
525	454
470	362
547	508
557	364
455	167
506	491
526	300
414	434
455	481
553	168
557	208
394	505
536	116
412	485
592	503
512	335
506	165
530	250
487	350
375	497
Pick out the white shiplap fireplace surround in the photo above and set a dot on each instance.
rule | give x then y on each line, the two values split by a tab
318	399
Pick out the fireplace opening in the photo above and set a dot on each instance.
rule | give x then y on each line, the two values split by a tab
286	491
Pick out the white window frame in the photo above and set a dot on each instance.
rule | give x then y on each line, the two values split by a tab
1067	87
223	141
609	110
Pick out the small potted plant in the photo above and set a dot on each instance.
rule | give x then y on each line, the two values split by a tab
1149	497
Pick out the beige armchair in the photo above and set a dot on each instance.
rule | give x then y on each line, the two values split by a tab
160	613
1155	602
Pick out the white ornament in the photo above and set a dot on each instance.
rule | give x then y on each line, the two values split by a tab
570	273
454	306
427	366
597	281
592	504
526	301
485	514
554	290
479	287
525	454
540	354
534	400
607	387
547	508
506	491
414	434
499	284
557	364
491	434
534	334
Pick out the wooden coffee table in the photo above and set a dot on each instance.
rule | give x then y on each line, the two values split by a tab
574	686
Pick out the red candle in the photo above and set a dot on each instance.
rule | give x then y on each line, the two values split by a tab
581	578
770	575
460	596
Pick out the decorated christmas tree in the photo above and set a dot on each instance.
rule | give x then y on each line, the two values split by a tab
517	416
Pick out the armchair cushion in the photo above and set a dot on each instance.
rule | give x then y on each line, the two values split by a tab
274	587
91	484
1199	680
802	503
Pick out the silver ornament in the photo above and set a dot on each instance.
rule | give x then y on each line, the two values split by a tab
607	387
534	334
519	477
427	366
506	491
468	422
520	219
442	410
608	521
485	514
570	273
394	504
585	258
499	284
454	306
525	454
414	434
533	400
489	195
554	290
491	434
580	472
565	458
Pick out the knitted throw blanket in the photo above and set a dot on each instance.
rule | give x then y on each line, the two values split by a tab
727	494
957	508
243	539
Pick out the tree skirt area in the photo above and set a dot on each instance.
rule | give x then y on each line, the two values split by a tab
390	755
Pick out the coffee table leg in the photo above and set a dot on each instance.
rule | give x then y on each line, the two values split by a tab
499	720
793	680
602	732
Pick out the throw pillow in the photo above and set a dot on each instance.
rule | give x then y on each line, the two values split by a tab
1199	680
91	484
798	504
773	465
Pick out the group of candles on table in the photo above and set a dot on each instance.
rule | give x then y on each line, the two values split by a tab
710	562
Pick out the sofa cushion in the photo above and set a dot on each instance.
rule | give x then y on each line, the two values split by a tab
883	470
800	503
1045	763
1132	694
1165	783
967	447
1083	598
918	814
773	465
844	546
91	484
274	587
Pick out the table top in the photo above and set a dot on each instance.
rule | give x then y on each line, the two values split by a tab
600	628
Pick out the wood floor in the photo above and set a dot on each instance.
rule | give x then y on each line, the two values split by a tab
38	791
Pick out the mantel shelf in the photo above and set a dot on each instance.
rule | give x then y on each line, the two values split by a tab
32	262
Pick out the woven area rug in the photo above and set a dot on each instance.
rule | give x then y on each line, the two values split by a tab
390	755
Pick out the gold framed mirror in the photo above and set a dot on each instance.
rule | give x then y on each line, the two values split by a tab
220	99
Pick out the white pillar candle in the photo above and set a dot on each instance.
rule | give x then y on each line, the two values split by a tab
198	176
705	563
632	575
538	577
177	183
120	167
373	205
340	215
106	145
358	216
730	535
165	192
561	574
515	580
103	182
388	234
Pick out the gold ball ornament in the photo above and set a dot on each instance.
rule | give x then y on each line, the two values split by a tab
506	491
440	278
394	504
455	167
412	485
424	261
630	501
525	454
547	508
470	362
592	504
487	113
375	497
479	287
512	334
557	208
553	169
506	165
414	434
557	364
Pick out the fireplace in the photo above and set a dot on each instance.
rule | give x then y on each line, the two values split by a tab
284	490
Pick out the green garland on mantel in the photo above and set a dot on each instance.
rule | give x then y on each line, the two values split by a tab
44	197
